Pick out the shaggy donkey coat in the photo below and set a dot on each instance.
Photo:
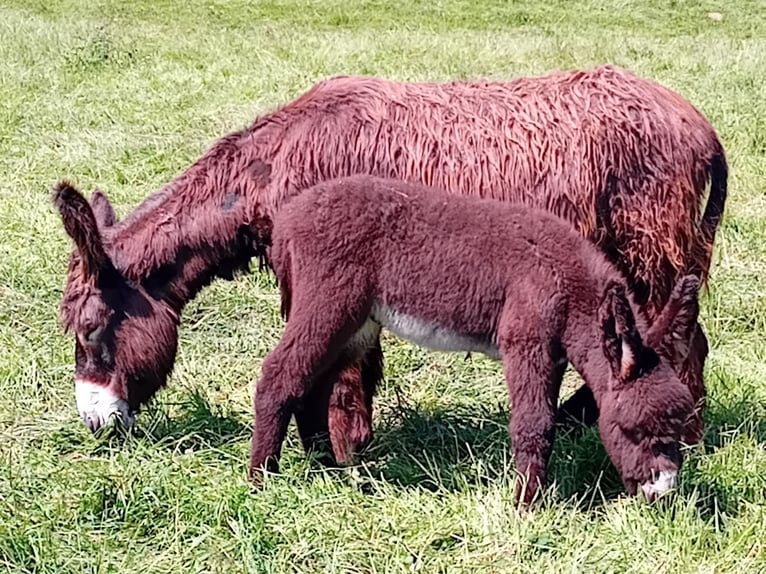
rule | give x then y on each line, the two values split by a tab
464	274
623	159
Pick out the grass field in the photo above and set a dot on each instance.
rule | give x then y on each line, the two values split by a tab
124	95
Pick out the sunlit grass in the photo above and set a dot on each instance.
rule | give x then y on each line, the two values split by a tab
123	96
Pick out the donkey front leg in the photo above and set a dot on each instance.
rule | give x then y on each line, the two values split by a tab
284	376
350	408
306	349
534	378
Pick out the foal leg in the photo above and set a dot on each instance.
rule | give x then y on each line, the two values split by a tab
534	378
307	348
337	412
285	375
312	422
580	408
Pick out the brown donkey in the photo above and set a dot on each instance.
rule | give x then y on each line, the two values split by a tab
624	160
465	274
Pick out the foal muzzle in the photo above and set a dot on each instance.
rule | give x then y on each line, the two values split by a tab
659	485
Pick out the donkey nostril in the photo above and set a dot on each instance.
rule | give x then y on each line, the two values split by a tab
92	422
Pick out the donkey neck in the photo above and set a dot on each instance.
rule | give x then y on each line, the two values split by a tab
204	224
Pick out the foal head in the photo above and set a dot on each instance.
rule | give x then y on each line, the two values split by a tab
125	340
645	406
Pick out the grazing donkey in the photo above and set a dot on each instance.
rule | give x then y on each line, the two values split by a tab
624	160
464	274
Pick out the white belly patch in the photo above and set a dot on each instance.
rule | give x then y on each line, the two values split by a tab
429	335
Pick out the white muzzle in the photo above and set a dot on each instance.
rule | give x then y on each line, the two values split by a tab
662	483
96	404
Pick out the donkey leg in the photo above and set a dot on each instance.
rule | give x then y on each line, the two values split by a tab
350	408
337	412
691	375
307	348
533	379
312	422
579	409
284	377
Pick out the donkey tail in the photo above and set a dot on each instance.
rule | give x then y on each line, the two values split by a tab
711	218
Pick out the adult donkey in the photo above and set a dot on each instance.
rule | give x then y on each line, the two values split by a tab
626	161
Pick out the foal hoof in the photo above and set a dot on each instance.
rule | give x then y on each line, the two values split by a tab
256	479
257	473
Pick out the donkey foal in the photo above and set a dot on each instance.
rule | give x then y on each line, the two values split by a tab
464	274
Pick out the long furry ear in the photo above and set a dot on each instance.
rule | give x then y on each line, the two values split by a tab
621	341
671	334
80	223
102	209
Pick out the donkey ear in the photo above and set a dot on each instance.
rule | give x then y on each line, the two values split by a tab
621	341
671	334
102	209
80	223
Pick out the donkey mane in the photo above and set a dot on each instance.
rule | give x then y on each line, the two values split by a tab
206	223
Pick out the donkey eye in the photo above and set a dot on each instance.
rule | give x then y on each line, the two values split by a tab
93	335
667	449
634	435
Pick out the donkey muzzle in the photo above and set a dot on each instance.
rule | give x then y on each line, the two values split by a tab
97	403
659	485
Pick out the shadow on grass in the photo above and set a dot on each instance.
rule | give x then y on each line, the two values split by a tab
725	470
455	449
197	425
722	419
461	447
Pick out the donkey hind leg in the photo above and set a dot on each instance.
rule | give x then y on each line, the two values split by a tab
350	408
580	409
307	348
534	378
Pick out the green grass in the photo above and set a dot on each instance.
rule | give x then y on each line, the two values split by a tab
124	95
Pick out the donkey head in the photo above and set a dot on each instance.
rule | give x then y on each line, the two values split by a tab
125	340
645	407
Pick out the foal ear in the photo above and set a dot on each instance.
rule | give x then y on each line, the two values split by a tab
80	223
102	209
621	341
671	334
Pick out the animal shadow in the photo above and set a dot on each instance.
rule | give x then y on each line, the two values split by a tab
194	426
722	489
438	449
722	418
